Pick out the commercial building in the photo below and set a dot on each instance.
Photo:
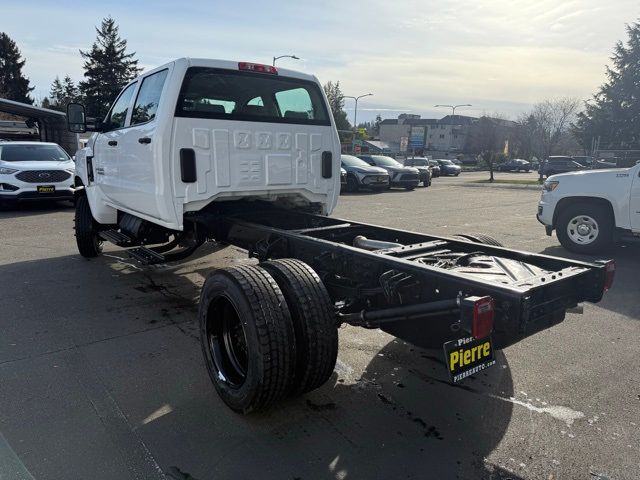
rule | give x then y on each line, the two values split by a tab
448	134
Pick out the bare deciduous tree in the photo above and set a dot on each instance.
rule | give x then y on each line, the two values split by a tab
488	136
546	129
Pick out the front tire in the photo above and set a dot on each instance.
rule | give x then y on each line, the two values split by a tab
585	228
87	239
314	322
247	338
352	184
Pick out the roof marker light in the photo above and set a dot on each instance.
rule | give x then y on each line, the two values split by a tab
258	68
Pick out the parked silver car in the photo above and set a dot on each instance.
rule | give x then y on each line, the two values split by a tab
400	176
362	175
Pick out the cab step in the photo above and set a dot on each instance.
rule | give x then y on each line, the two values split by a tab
117	238
145	255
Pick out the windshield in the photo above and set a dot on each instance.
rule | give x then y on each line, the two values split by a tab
386	161
445	162
236	95
419	162
351	161
32	153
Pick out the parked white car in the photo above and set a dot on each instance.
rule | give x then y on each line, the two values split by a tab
591	209
35	171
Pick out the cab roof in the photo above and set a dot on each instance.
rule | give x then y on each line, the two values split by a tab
187	62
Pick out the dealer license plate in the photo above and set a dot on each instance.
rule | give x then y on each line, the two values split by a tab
467	356
46	188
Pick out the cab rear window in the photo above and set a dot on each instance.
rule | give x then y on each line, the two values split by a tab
249	96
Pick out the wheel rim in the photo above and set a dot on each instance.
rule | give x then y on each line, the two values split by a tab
227	342
97	241
583	230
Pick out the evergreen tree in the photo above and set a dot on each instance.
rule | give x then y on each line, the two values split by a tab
62	93
13	84
614	112
107	68
56	93
336	103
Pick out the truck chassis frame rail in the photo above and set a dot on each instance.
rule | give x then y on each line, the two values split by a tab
410	284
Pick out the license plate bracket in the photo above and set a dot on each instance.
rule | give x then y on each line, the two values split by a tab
467	356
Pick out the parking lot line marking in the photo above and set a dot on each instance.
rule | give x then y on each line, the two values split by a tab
12	466
133	450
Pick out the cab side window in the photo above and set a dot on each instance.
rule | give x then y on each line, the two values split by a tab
118	114
148	98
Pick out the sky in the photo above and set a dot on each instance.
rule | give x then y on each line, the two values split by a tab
501	56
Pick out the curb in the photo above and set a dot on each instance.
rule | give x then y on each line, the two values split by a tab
513	186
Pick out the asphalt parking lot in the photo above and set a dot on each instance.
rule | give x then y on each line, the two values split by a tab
102	377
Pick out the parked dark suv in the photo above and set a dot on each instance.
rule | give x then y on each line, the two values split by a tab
559	164
423	166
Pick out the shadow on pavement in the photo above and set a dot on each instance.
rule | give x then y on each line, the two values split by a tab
624	297
110	360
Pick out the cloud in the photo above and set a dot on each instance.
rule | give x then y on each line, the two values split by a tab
412	54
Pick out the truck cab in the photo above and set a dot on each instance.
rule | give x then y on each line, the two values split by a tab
196	131
591	209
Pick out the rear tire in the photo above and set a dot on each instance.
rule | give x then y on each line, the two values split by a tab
247	338
479	238
314	322
87	239
585	227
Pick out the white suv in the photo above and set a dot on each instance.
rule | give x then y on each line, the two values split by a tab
35	171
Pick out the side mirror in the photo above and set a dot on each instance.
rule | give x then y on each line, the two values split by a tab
76	120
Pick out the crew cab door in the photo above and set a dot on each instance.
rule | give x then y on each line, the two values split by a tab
242	133
107	147
139	188
634	200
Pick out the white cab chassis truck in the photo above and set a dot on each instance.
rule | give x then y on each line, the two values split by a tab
589	210
247	154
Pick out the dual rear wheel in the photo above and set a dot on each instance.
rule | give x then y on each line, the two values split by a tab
268	332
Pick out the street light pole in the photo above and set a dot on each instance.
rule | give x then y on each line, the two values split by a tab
283	56
355	111
453	107
453	114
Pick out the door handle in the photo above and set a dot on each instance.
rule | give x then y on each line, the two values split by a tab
112	143
144	140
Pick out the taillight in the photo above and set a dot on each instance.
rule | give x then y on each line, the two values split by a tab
609	273
258	68
477	314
